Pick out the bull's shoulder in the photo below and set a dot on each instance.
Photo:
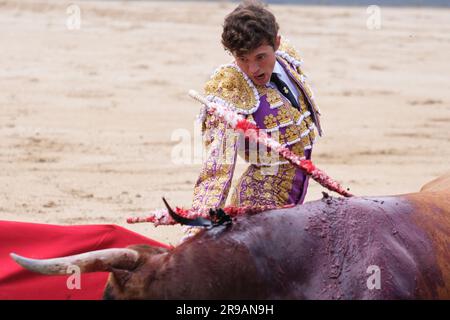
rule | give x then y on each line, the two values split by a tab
441	183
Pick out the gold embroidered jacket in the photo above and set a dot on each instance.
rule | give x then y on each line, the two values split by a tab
268	180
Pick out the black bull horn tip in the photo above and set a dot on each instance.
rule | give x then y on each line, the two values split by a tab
197	222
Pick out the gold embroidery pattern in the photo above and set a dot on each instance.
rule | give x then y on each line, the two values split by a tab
229	84
302	103
289	49
284	116
270	121
213	184
300	132
274	98
292	134
298	76
297	116
302	127
254	188
298	149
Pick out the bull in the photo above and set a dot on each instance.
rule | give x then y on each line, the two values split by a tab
390	247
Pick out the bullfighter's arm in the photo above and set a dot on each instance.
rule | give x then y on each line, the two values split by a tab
219	154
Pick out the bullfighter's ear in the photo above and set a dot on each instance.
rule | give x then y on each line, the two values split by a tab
121	276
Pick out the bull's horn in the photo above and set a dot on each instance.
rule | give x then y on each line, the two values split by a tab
100	260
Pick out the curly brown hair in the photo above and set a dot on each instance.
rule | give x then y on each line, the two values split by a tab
249	26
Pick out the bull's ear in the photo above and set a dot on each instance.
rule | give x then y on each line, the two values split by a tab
121	276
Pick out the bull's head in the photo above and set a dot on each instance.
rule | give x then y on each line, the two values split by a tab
130	268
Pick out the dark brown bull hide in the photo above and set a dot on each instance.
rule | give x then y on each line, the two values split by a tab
324	249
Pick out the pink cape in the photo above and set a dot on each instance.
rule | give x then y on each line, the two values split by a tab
49	241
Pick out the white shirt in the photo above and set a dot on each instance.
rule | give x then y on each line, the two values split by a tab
278	69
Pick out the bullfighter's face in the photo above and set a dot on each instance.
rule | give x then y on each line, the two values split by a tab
258	64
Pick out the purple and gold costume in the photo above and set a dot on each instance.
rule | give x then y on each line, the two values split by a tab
267	181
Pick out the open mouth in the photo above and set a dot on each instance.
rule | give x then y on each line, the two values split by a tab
260	77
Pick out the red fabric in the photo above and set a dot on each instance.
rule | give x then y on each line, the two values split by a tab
49	241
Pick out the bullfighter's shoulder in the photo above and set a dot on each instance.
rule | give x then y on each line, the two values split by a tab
231	86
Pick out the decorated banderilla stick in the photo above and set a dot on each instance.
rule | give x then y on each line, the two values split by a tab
238	122
250	130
